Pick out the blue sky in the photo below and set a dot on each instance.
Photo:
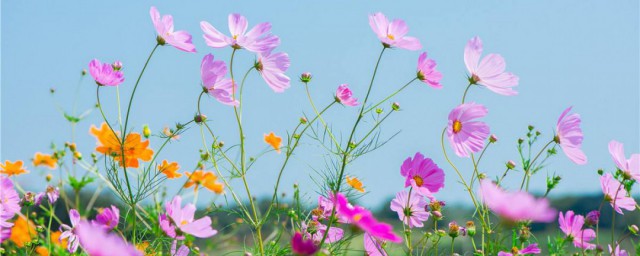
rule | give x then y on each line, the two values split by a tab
566	53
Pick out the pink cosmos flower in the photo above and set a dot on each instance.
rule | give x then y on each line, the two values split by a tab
615	194
530	249
364	219
303	247
164	27
272	67
104	74
466	135
569	136
70	231
52	193
617	251
490	71
108	217
423	175
182	251
571	224
410	208
258	39
372	246
631	166
393	34
221	88
345	96
515	206
96	241
9	198
315	230
5	225
179	221
427	72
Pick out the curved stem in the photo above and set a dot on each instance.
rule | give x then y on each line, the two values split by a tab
465	92
526	171
126	121
315	110
389	97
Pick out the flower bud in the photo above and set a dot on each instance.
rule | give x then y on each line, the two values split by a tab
160	40
220	144
482	176
454	229
248	254
634	229
511	164
379	111
599	249
52	90
592	218
471	228
305	77
520	140
530	127
146	131
525	233
28	199
440	232
200	118
77	155
493	138
49	177
303	120
437	214
83	72
117	65
600	172
395	106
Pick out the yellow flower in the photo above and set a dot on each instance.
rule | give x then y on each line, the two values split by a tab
134	148
22	231
170	169
45	159
143	247
355	183
273	140
205	179
14	168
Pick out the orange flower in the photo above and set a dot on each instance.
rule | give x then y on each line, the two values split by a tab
14	168
42	251
143	248
205	179
134	148
170	169
22	231
45	159
55	239
273	140
355	183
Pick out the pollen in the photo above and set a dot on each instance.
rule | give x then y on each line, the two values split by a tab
419	180
390	36
357	217
457	126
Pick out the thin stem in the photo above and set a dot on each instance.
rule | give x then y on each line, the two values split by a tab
528	169
391	95
126	122
465	92
315	110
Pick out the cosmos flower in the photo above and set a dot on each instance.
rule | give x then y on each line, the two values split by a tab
221	88
274	141
52	193
615	194
393	34
364	219
410	208
258	39
490	71
515	206
179	221
617	251
572	224
272	67
45	159
355	183
466	135
12	168
107	217
5	225
170	169
70	231
104	74
23	231
372	246
345	96
427	72
181	40
569	136
109	144
422	174
315	230
9	197
515	251
303	247
205	179
631	166
96	241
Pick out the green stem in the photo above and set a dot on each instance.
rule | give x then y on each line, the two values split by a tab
315	110
527	170
465	92
389	97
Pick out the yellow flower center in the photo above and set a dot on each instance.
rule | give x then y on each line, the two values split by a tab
419	180
235	37
457	126
184	222
357	217
515	250
390	36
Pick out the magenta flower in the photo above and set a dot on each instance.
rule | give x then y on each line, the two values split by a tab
393	34
52	194
490	71
617	251
303	247
466	135
631	166
530	249
9	197
615	194
569	136
164	27
221	88
427	72
70	231
108	217
179	221
272	67
315	230
515	206
98	242
372	246
423	175
325	205
104	74
363	219
258	39
572	224
410	208
345	96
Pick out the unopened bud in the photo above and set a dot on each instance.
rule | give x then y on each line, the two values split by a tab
52	90
221	144
379	111
592	218
482	176
200	118
83	72
395	106
511	164
49	177
520	140
305	77
441	232
77	155
117	65
454	229
493	138
634	229
471	228
599	249
146	131
600	172
303	120
437	214
530	127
